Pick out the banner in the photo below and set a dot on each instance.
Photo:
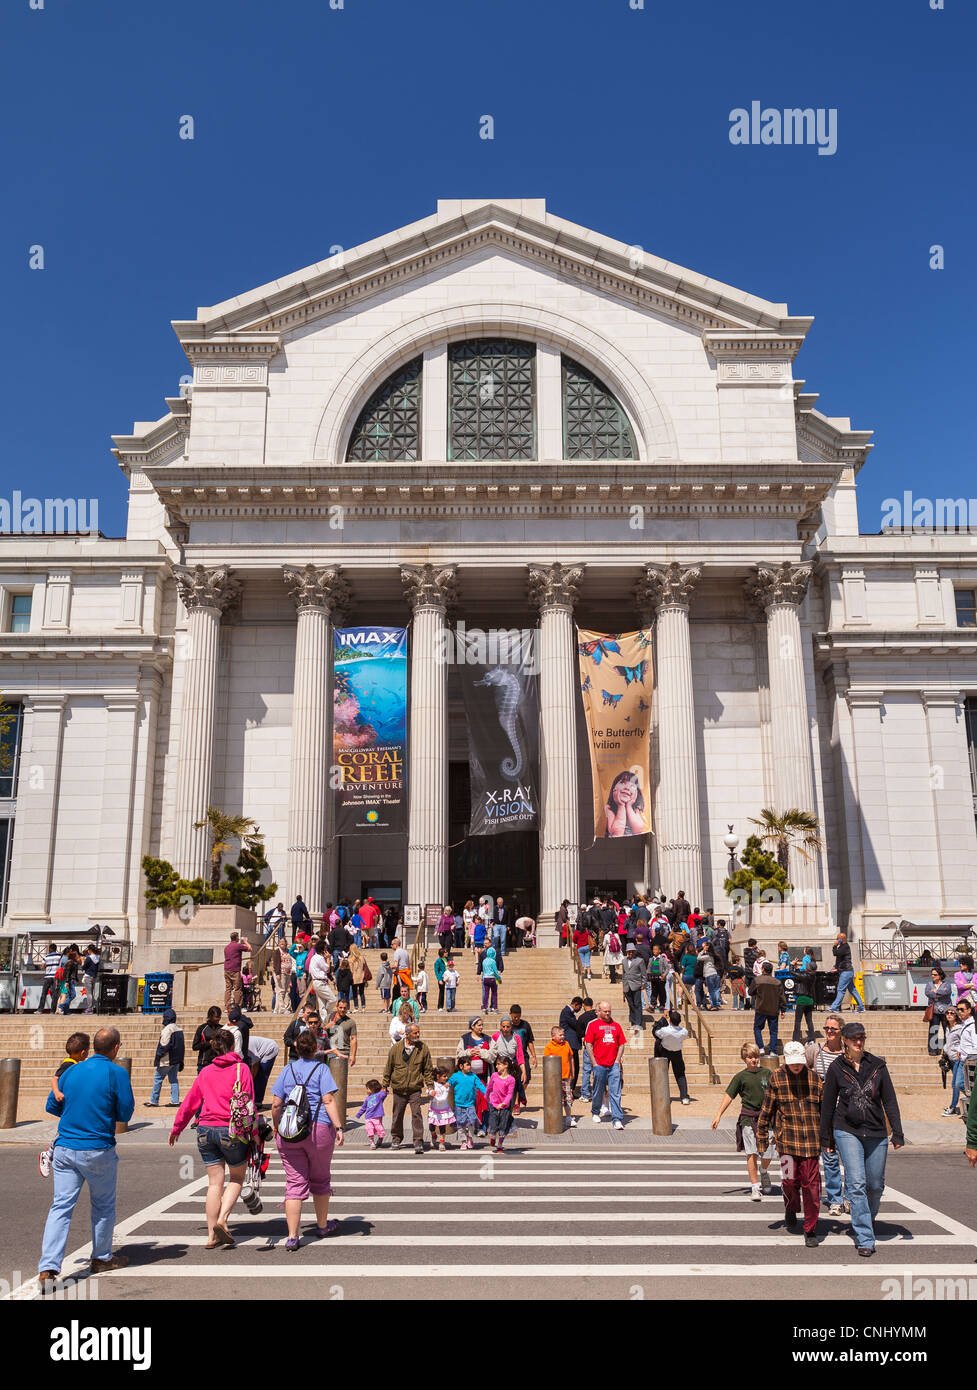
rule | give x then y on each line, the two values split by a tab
370	730
616	682
502	710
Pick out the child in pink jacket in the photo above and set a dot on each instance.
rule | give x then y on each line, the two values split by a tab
500	1093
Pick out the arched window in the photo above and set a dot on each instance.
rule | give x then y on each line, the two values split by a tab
594	425
388	428
491	399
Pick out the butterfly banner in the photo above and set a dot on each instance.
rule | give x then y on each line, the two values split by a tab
616	684
369	781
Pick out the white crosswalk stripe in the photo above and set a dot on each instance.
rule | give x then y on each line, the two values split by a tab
440	1209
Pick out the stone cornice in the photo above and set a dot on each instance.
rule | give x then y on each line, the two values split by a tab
832	438
154	442
231	347
85	646
735	346
955	642
567	250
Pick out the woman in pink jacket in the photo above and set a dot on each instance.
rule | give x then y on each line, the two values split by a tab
211	1095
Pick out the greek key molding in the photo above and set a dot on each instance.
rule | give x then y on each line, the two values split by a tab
554	586
238	375
427	848
430	586
773	584
203	588
306	849
320	589
679	849
667	586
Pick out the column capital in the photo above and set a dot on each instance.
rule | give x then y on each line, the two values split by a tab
203	588
667	586
785	583
44	703
317	588
430	586
869	697
943	699
555	586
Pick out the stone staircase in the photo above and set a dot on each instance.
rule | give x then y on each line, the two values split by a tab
541	981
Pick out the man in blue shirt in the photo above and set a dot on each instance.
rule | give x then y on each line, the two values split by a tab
97	1095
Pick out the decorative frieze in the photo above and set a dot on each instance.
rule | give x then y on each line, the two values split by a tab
239	375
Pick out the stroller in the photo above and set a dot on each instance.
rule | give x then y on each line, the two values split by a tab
257	1166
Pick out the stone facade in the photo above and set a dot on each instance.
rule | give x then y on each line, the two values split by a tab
797	661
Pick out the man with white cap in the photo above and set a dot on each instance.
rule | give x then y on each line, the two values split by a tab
792	1105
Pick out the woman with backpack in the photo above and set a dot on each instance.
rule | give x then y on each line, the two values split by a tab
613	955
223	1094
308	1127
204	1036
362	975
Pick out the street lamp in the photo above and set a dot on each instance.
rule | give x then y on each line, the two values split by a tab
731	841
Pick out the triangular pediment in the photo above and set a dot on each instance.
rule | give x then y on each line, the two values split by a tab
521	228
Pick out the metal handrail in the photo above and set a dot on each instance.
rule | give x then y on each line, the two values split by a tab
705	1052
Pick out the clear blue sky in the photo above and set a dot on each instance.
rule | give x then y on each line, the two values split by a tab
316	127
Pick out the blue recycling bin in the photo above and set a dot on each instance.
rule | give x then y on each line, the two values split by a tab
158	993
790	987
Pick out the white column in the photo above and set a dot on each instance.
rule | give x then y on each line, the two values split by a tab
311	839
37	808
143	802
866	706
554	589
953	800
670	589
429	589
205	594
780	591
115	837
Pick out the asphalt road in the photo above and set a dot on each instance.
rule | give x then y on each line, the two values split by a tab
594	1223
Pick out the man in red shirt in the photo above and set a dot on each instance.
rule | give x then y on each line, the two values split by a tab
605	1041
370	914
234	952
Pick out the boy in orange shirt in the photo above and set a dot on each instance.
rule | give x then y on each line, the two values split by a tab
559	1047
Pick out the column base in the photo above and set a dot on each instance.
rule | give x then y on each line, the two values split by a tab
547	935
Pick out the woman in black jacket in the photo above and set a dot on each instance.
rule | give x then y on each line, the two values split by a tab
857	1100
204	1035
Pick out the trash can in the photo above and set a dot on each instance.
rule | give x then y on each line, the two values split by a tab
825	988
157	993
790	987
114	994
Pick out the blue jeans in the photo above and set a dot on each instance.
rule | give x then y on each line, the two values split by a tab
169	1074
586	1078
846	984
958	1079
498	940
73	1168
864	1161
773	1022
832	1178
609	1077
66	1003
713	983
449	999
358	936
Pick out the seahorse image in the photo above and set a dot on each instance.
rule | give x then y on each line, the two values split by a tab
507	689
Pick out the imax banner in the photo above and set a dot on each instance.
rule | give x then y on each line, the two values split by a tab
615	680
502	710
370	730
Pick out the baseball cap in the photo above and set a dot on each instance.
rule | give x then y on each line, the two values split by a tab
794	1052
853	1030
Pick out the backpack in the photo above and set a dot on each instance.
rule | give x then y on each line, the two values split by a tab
242	1113
296	1120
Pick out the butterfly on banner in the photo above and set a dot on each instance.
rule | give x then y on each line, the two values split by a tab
610	699
633	673
642	706
598	648
644	641
586	685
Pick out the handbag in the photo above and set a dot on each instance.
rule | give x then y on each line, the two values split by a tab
928	1014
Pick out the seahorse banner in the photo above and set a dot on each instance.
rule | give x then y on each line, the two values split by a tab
502	710
616	681
370	730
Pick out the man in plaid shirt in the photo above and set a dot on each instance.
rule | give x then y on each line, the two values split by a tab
792	1104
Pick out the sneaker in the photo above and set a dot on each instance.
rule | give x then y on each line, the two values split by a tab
113	1262
847	1206
605	1110
150	1105
442	1148
810	1240
418	1148
950	1110
765	1185
790	1220
596	1119
373	1142
396	1143
686	1101
292	1243
618	1124
755	1192
44	1163
836	1209
865	1252
469	1142
573	1122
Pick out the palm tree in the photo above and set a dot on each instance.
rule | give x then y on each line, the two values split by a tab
796	829
223	828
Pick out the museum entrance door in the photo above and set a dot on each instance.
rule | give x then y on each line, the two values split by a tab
505	865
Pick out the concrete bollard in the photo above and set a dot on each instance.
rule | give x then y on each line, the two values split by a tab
552	1095
661	1097
9	1091
122	1126
339	1066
